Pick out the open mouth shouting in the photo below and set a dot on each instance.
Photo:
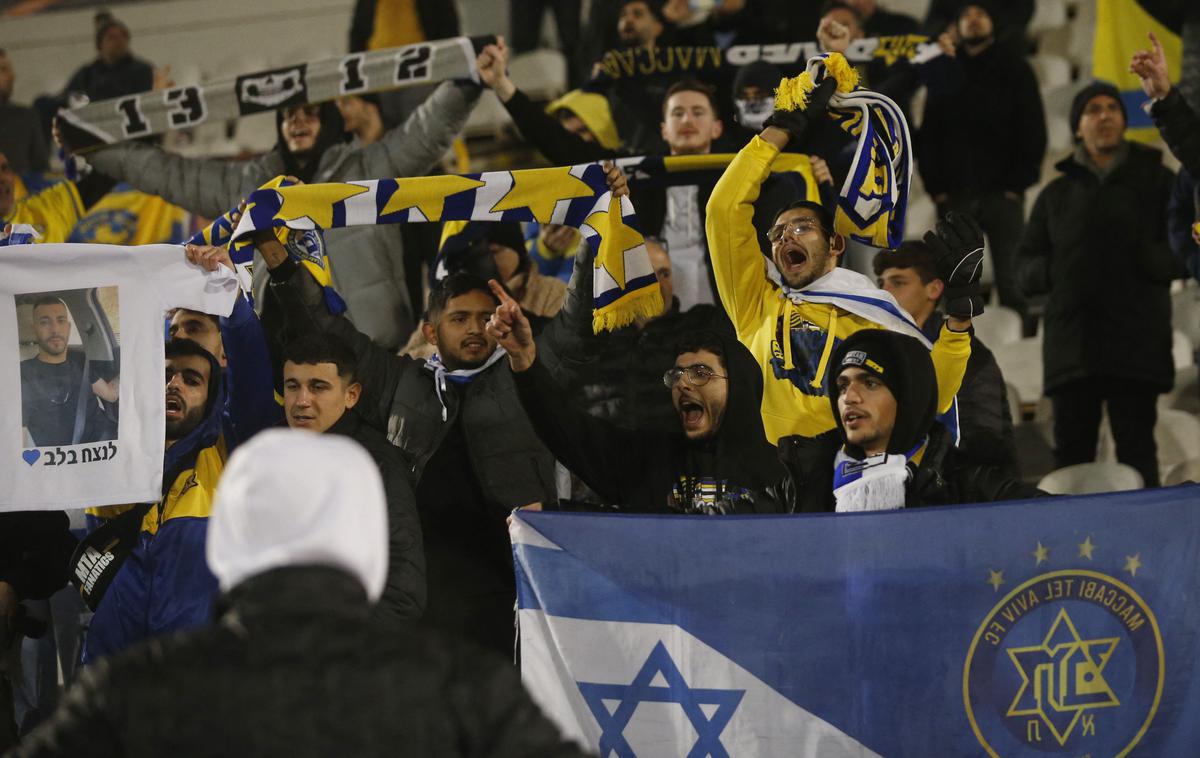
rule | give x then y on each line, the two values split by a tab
794	258
175	407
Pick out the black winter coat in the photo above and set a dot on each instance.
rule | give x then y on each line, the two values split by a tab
35	550
294	669
1180	129
403	597
1098	248
984	129
944	476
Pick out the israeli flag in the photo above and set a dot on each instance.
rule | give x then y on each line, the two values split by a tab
1062	627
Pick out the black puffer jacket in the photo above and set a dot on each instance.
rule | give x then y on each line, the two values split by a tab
944	476
1098	248
1180	128
403	597
294	669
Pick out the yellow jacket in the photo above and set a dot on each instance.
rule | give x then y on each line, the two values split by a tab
794	369
54	212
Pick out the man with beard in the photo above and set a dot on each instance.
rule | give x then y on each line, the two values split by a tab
719	460
164	584
888	451
792	329
58	406
456	416
982	141
367	261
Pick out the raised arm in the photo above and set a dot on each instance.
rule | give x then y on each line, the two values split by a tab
414	147
599	453
305	312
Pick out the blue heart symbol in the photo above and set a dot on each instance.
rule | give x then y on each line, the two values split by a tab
31	456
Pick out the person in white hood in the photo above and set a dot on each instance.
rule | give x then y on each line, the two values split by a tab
293	665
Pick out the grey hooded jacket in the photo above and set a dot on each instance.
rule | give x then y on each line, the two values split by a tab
367	261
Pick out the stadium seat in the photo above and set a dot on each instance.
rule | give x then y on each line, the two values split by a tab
1185	312
1185	394
1184	471
488	118
1021	364
1047	15
541	74
1177	435
1051	70
999	325
1088	478
1183	351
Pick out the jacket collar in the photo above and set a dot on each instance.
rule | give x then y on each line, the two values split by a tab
294	591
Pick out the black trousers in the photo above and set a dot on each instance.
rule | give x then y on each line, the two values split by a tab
1132	414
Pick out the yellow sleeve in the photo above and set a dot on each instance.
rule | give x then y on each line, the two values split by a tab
54	212
951	351
737	261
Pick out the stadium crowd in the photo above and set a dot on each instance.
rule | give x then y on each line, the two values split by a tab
465	367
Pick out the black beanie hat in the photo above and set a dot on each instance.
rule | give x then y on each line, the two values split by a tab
1085	95
765	76
904	365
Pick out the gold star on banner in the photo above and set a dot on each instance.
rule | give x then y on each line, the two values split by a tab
1086	547
538	189
315	201
1041	554
615	239
427	194
1133	563
995	578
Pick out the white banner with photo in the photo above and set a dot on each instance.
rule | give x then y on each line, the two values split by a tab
81	353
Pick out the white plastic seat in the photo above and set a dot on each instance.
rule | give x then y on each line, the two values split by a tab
541	74
1021	364
1183	350
1089	478
1184	471
1185	312
1177	435
1051	70
1047	15
999	325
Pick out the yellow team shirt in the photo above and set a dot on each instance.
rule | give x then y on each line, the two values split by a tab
53	212
795	359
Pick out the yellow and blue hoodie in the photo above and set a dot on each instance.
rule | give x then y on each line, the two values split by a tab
792	341
165	584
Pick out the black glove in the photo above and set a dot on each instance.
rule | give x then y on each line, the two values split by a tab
958	249
797	122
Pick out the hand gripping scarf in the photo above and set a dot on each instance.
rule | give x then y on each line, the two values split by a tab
625	286
874	197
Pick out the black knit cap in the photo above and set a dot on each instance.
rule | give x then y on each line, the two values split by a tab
1087	94
765	76
904	365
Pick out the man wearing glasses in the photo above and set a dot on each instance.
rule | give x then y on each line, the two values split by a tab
718	461
793	327
58	405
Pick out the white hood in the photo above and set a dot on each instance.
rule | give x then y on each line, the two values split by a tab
296	498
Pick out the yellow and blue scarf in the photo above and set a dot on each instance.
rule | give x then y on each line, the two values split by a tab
873	201
625	286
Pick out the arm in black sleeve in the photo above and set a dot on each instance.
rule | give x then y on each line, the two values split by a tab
543	131
404	593
37	547
1024	160
93	187
362	24
81	726
304	312
601	454
1036	248
1180	129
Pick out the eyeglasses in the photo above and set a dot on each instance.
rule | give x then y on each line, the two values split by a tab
698	375
795	228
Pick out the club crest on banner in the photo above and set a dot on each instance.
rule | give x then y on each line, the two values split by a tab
1068	662
271	89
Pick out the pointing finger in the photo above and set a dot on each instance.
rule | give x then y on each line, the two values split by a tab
504	298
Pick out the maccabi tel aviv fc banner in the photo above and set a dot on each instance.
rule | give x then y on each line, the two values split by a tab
1063	627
